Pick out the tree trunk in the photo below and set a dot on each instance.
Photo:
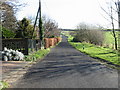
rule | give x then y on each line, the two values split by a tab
114	34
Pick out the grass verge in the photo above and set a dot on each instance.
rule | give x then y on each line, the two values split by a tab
3	85
107	54
37	55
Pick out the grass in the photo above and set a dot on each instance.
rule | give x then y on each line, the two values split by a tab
109	39
3	85
107	54
37	55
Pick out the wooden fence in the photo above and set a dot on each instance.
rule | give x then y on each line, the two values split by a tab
23	45
26	45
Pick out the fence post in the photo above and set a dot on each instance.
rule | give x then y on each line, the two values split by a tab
26	46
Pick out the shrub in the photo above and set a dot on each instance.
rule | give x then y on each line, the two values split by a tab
91	36
6	33
89	33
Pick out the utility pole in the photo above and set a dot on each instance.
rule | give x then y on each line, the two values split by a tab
118	14
40	25
119	36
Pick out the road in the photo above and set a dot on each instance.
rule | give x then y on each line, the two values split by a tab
66	67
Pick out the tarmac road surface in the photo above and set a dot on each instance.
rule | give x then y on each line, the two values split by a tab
66	67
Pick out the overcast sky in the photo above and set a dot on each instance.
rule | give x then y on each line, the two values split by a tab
68	13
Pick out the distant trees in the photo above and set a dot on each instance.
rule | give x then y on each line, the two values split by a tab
50	28
87	33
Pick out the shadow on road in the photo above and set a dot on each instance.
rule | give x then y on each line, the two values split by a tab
66	67
65	60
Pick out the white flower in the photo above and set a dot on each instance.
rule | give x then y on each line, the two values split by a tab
21	56
5	58
9	54
5	49
16	58
11	50
2	52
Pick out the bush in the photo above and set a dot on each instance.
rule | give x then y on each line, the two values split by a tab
6	33
91	36
89	33
9	55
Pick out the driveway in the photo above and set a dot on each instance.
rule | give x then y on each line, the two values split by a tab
66	67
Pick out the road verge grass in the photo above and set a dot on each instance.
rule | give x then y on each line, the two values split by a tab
107	54
37	55
3	85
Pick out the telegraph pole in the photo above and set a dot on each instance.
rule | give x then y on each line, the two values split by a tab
118	14
40	25
119	36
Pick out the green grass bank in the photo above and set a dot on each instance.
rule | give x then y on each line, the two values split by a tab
37	55
104	53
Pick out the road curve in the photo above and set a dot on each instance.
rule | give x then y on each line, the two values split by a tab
66	67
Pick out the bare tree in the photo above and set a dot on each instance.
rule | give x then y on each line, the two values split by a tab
50	28
113	29
112	18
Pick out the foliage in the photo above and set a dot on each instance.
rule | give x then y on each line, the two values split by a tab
96	51
3	85
88	33
37	55
8	16
41	31
6	33
25	29
109	39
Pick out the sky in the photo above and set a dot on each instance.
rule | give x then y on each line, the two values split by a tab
68	13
